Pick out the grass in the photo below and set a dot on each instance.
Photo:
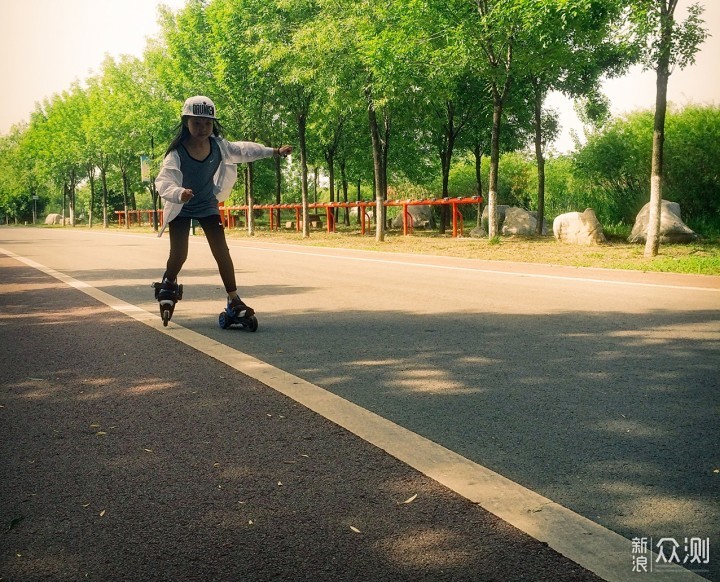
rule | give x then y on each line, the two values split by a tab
699	258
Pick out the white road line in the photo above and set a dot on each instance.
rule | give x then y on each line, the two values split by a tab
600	550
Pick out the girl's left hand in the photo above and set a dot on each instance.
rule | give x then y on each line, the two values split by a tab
285	151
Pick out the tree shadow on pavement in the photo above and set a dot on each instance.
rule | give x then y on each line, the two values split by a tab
129	456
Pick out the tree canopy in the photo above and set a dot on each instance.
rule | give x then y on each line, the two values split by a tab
383	94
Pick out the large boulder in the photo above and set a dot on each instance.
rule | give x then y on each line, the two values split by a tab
53	219
672	228
422	217
534	214
500	211
518	222
580	228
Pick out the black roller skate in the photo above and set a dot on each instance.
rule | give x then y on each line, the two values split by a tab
237	313
167	294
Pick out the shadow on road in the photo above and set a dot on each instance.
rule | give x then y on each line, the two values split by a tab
615	417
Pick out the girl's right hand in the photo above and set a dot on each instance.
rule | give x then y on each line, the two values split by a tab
186	195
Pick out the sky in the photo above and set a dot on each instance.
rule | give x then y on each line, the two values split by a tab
46	45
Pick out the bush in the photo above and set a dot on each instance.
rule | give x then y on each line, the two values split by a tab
612	171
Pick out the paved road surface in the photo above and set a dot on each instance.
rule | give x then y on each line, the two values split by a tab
596	389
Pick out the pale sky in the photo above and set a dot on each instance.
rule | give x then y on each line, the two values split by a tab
48	44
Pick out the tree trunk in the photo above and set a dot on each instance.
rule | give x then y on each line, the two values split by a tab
316	172
477	150
331	180
652	243
344	181
250	199
385	143
540	158
103	179
278	186
125	198
446	152
71	192
91	176
153	190
494	165
65	195
302	136
377	170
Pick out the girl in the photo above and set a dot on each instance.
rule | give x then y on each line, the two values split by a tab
198	171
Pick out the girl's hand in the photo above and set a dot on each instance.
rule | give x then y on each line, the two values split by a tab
284	151
186	195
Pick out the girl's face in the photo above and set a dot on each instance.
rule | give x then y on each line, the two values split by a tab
200	127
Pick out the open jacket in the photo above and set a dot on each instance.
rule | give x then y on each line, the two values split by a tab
169	180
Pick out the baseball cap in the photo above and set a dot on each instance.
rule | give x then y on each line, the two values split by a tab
199	106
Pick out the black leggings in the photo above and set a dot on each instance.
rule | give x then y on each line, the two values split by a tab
215	233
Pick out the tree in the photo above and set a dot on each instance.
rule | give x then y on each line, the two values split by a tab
128	110
16	182
611	169
58	139
242	34
381	54
664	44
579	45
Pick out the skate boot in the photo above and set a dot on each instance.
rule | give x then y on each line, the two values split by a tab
237	313
168	293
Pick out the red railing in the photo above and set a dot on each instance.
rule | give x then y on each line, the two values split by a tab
230	220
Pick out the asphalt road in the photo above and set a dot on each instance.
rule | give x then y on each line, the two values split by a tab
596	389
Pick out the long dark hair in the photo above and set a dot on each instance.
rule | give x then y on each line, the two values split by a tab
182	131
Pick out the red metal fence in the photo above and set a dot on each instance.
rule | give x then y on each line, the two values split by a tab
364	208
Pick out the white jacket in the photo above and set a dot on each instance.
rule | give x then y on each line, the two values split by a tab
169	180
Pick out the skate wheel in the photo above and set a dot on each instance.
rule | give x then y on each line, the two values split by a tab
165	317
223	320
253	323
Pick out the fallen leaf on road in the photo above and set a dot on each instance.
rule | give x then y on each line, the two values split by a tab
410	499
102	513
353	528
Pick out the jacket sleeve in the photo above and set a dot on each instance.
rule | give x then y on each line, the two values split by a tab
241	152
169	179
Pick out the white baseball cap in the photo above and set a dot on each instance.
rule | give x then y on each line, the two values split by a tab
199	106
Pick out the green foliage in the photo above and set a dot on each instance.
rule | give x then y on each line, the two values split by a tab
692	163
420	65
613	169
612	172
659	36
